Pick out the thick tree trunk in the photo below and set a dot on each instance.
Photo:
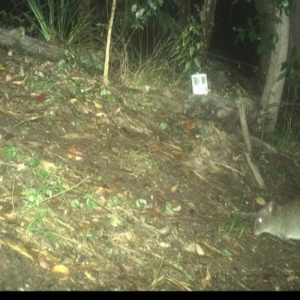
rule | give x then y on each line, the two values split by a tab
273	88
207	18
268	26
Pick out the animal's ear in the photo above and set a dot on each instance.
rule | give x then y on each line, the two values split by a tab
272	207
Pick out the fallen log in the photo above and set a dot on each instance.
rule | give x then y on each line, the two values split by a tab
46	50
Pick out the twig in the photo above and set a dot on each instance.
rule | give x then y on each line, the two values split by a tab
255	172
65	191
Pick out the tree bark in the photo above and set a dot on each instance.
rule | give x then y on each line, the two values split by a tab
30	45
207	16
273	88
107	52
267	7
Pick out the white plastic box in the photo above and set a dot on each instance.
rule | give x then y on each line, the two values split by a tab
199	83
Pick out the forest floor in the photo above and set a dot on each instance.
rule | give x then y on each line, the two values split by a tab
103	190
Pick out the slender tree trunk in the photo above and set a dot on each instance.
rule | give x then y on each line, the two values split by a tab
107	51
207	16
273	88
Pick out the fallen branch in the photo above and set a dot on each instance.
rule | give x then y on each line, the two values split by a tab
246	136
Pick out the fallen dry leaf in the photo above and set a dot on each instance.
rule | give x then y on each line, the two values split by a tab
75	157
43	263
40	98
60	269
174	188
164	245
89	276
73	150
292	278
8	78
205	282
128	269
97	105
193	247
73	100
199	250
260	201
47	165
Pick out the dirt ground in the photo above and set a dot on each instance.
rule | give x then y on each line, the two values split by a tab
119	190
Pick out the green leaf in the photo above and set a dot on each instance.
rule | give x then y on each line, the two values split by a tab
163	126
260	48
33	163
226	253
197	62
187	66
115	221
198	45
249	22
191	51
292	76
12	152
105	92
281	76
91	204
285	3
296	64
242	35
76	204
141	203
252	35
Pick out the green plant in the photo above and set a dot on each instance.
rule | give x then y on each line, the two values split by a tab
285	138
90	202
9	18
256	24
108	95
252	32
32	197
160	280
33	162
58	20
75	204
189	47
13	153
226	253
143	11
239	222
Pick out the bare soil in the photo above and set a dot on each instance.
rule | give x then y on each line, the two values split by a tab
121	191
